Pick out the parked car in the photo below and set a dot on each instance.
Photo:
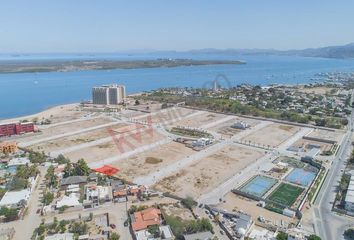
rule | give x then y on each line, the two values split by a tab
113	226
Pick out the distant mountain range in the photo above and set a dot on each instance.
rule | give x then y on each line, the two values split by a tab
345	51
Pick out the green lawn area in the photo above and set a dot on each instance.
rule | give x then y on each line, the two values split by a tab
286	194
190	132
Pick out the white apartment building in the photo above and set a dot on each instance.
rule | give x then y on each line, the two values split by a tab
108	94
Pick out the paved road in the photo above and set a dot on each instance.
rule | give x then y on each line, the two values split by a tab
329	225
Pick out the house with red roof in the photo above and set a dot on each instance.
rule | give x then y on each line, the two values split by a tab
143	219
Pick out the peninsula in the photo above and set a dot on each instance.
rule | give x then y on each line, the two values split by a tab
80	65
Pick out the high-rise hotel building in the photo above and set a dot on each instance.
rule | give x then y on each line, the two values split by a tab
108	94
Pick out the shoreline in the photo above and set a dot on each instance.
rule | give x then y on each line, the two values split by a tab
45	113
51	110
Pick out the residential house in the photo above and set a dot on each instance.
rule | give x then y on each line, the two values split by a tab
79	180
165	233
98	194
15	199
143	219
69	201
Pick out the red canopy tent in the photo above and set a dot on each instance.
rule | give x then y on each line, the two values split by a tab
107	170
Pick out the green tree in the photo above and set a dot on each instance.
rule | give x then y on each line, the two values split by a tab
68	170
189	202
10	214
48	198
61	159
81	168
79	228
349	233
282	236
114	236
51	178
313	237
17	184
62	226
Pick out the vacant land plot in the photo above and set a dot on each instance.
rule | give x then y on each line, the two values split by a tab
327	135
272	135
66	128
151	161
209	172
73	140
258	185
170	114
177	210
200	120
235	202
109	149
55	114
226	129
286	194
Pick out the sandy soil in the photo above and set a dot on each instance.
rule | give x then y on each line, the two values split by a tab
69	127
198	121
65	142
209	172
171	114
178	211
272	135
226	130
238	203
145	106
55	114
136	166
327	135
110	149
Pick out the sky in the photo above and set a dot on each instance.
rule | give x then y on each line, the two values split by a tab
114	25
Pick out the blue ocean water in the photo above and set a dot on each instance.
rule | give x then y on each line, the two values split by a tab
28	93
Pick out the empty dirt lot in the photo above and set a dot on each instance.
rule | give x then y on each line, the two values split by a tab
273	134
110	149
66	128
226	130
207	173
65	142
327	135
170	114
151	161
199	120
